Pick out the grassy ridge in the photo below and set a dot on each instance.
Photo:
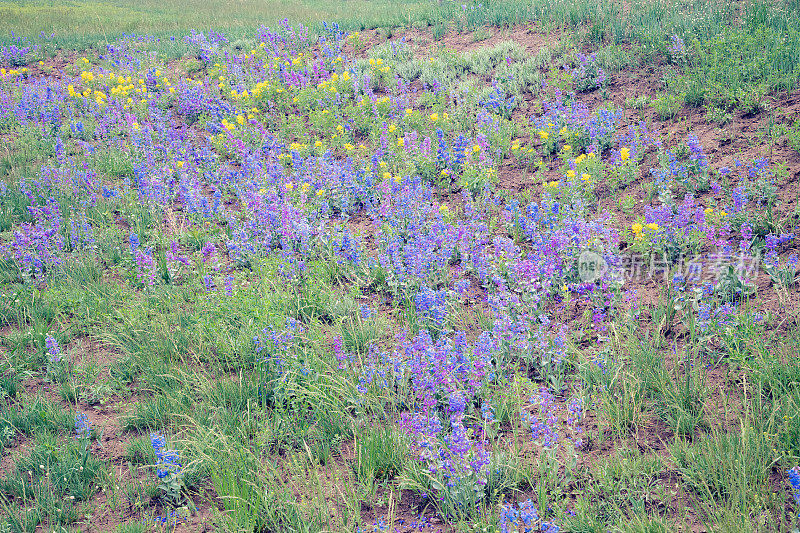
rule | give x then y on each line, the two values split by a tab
741	51
80	23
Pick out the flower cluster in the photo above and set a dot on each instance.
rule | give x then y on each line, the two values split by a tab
168	468
432	306
587	75
524	519
794	481
82	427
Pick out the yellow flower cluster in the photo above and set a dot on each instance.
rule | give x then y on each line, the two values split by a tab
229	126
13	72
331	83
638	229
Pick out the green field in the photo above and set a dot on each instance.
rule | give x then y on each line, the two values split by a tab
78	22
400	266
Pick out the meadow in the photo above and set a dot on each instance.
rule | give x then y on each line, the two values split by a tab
400	266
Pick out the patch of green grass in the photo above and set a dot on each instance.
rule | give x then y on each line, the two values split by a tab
726	467
51	479
793	136
666	106
82	23
381	453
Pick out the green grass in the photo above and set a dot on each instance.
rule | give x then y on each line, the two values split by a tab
82	23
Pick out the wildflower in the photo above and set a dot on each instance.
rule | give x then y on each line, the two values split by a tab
586	177
167	461
544	135
794	479
82	427
229	285
53	350
208	251
134	243
652	226
434	117
636	228
624	154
